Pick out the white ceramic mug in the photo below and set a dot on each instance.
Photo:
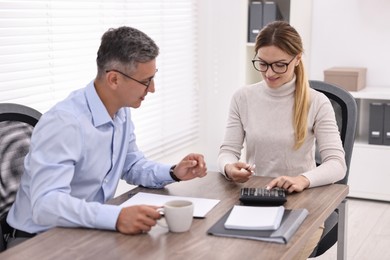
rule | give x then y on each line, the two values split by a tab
178	215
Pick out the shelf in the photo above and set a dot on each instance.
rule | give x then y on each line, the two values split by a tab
363	99
374	93
369	158
362	144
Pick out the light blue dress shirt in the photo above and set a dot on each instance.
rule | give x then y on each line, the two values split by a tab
77	155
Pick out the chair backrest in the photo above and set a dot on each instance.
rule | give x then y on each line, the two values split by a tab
345	109
16	126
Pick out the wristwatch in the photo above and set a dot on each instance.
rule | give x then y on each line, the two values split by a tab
173	176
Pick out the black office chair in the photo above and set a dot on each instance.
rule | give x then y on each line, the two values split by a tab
346	111
16	125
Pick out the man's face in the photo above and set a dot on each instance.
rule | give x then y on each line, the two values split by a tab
132	89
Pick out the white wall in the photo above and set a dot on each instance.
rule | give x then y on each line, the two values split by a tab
222	53
301	19
352	33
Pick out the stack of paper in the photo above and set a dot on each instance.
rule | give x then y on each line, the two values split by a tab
254	218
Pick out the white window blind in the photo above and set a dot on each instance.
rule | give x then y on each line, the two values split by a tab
48	49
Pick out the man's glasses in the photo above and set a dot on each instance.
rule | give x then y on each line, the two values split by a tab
277	67
145	83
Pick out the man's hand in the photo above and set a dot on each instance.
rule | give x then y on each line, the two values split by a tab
190	167
238	172
137	219
290	184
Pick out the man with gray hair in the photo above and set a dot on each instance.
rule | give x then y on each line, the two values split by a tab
85	144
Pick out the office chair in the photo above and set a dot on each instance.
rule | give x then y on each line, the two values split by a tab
345	109
16	125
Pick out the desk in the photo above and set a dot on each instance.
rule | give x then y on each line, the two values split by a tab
79	243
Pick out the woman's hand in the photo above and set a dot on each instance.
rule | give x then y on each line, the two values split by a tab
290	184
238	172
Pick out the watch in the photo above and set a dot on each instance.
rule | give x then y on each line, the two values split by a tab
173	176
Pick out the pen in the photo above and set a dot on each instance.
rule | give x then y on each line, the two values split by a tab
251	168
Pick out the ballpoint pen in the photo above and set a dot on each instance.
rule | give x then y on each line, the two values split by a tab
251	168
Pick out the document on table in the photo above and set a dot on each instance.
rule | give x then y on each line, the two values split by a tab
201	205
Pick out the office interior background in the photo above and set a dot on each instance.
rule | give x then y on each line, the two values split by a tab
48	49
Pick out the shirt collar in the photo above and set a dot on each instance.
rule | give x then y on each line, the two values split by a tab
99	112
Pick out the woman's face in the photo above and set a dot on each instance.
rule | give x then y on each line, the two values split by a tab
280	60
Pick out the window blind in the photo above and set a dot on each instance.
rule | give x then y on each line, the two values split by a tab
48	49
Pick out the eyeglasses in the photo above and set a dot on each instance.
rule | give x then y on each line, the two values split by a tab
277	67
146	83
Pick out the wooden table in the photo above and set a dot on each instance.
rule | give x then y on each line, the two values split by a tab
79	243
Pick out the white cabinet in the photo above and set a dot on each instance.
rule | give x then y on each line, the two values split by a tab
369	174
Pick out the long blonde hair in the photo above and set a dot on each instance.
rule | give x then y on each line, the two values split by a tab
283	36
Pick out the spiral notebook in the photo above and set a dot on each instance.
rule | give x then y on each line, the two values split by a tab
291	221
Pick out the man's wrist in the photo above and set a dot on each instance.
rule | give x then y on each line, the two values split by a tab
173	176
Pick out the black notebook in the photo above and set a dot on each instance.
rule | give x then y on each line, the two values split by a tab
291	221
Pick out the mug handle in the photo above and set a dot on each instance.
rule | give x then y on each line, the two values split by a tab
162	222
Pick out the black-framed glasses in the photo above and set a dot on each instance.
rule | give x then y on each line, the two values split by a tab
145	83
278	67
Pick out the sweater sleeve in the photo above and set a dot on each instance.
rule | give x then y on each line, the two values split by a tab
230	150
333	166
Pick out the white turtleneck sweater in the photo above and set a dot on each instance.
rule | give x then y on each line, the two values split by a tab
263	118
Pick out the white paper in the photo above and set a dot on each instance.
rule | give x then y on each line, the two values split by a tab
255	218
201	206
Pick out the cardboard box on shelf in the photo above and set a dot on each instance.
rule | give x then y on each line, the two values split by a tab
349	78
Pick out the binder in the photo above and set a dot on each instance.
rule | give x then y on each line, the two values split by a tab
291	221
255	20
270	12
386	125
375	135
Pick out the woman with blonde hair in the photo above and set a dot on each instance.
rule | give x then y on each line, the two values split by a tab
282	120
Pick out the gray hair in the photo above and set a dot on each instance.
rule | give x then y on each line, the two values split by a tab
125	46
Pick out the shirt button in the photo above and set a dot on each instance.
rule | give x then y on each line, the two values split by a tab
105	180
